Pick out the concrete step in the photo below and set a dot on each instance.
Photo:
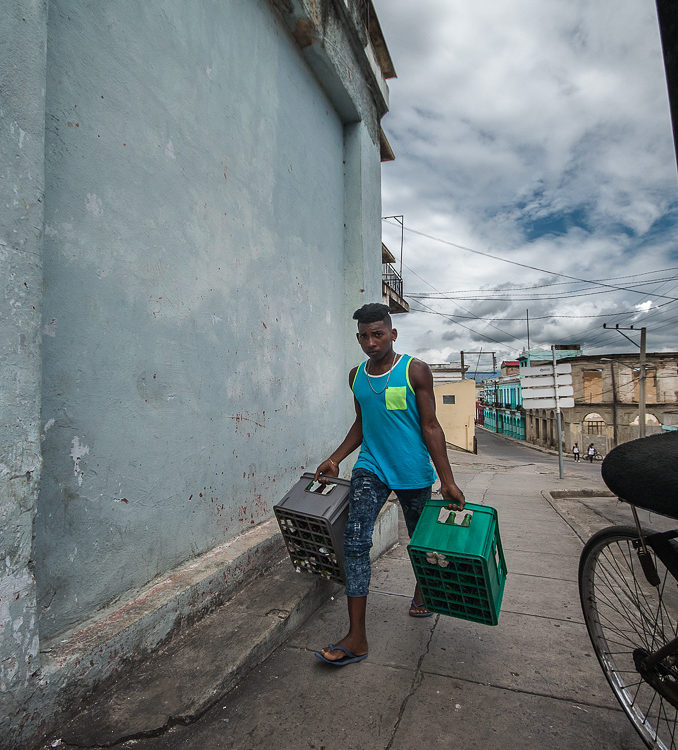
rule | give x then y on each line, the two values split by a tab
179	681
202	663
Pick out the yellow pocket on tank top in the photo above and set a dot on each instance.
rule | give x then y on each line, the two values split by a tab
396	397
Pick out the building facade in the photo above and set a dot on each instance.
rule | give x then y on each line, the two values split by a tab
455	409
191	214
606	396
502	407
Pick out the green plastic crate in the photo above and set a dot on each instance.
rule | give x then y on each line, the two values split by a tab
460	569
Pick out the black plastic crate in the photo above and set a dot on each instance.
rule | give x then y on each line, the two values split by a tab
312	518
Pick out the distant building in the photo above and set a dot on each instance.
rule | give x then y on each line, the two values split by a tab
544	356
448	372
509	367
502	406
606	391
455	407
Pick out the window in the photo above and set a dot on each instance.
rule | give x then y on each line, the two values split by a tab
593	386
593	424
448	399
649	419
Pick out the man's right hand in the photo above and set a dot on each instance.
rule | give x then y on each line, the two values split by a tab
326	468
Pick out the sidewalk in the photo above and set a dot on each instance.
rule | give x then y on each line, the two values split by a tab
530	682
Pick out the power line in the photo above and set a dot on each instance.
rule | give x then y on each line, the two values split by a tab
566	283
536	317
525	265
506	295
458	305
468	328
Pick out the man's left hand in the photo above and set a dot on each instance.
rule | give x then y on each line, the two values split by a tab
454	495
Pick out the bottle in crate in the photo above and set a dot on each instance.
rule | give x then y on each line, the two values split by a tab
312	518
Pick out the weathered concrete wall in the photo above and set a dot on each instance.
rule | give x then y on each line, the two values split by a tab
22	76
362	266
191	213
194	295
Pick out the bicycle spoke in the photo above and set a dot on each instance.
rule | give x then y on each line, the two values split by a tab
626	617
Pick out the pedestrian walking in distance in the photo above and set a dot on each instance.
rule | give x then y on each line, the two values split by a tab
591	452
575	452
398	435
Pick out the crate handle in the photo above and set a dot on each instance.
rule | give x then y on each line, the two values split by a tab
455	518
320	488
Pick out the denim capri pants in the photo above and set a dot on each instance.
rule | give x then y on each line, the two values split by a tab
367	496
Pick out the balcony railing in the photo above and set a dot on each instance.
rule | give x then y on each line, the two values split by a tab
392	278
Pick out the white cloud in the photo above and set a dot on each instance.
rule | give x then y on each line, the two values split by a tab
539	132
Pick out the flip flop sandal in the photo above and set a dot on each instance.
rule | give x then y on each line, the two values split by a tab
349	658
419	614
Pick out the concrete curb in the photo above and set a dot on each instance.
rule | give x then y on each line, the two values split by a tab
131	627
551	496
603	492
183	670
186	677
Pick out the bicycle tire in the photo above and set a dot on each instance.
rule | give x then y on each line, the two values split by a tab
624	616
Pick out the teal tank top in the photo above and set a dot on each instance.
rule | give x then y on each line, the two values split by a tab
392	446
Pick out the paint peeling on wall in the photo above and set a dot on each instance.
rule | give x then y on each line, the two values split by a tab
49	329
13	128
93	205
77	452
23	631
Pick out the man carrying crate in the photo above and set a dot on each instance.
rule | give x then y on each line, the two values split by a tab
398	434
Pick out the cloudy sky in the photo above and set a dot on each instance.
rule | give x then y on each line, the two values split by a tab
537	131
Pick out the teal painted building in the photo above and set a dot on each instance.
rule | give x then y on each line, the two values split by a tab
503	411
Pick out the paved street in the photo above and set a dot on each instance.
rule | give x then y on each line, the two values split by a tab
530	682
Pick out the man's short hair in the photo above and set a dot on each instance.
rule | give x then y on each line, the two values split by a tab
374	312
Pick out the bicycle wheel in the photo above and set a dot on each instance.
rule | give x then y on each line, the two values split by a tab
627	618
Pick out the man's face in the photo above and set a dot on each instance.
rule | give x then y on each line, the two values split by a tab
376	339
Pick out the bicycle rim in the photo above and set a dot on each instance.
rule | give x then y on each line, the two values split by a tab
625	614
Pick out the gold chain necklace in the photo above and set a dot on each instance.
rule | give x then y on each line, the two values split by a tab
378	393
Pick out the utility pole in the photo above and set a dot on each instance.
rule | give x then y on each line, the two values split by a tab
494	369
527	318
641	376
494	360
615	426
641	384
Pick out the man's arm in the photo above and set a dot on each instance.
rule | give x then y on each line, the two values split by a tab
432	433
353	439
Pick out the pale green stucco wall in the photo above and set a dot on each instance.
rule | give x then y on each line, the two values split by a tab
22	117
178	329
194	295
